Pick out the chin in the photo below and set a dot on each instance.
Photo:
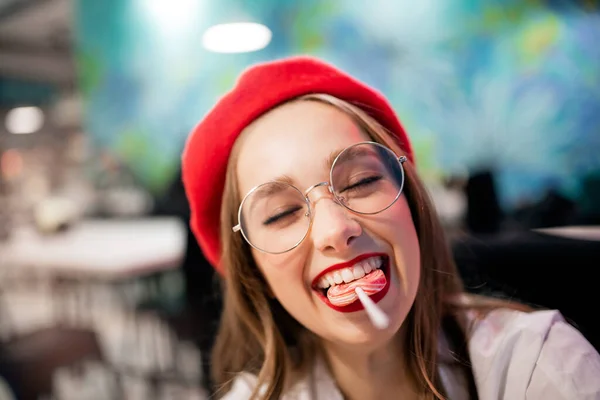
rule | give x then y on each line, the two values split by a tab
359	331
356	329
363	339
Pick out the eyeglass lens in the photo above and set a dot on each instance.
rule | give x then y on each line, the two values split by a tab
366	178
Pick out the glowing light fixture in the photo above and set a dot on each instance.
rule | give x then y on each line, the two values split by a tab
24	120
238	37
171	18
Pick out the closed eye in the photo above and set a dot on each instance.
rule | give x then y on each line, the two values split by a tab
281	215
362	183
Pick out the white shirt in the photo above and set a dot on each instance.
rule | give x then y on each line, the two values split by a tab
5	392
514	356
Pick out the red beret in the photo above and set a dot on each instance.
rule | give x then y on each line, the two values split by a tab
259	89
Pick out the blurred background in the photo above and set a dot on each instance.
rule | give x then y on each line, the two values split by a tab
103	292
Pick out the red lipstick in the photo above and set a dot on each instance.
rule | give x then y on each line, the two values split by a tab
357	305
346	264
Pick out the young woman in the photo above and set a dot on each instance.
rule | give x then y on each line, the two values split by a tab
303	188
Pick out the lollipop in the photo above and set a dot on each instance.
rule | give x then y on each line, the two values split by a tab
345	293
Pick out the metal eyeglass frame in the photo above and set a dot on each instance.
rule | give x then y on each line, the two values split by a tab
401	160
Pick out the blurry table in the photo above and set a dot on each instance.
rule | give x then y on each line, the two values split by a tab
114	256
100	249
96	252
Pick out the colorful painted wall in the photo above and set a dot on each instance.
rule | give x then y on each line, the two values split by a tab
509	85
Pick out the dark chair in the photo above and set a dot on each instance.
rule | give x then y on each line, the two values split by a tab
202	296
194	317
484	214
29	362
538	269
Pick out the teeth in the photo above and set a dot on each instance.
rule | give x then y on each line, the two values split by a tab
358	272
374	263
337	277
348	275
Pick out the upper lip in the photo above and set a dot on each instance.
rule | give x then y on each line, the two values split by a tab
343	265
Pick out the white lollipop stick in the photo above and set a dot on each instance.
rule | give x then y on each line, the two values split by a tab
377	317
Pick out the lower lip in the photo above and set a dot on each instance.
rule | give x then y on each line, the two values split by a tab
357	305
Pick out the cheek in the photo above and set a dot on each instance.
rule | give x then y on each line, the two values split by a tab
283	274
398	222
402	236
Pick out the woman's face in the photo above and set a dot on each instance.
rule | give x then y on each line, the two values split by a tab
296	140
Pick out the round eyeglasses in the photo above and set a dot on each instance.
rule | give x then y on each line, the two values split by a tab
365	178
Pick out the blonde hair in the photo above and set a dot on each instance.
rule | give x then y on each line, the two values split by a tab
257	335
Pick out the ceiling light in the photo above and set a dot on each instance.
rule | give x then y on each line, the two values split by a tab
239	37
24	120
171	18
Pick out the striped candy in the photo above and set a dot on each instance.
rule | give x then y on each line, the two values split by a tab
343	294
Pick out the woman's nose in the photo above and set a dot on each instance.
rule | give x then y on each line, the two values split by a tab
333	228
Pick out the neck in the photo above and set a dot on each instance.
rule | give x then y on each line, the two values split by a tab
376	373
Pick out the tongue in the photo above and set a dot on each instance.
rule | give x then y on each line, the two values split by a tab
344	294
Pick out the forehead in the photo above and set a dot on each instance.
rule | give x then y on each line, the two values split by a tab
296	140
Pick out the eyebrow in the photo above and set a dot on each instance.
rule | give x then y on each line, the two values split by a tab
328	163
352	152
331	158
262	193
282	179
